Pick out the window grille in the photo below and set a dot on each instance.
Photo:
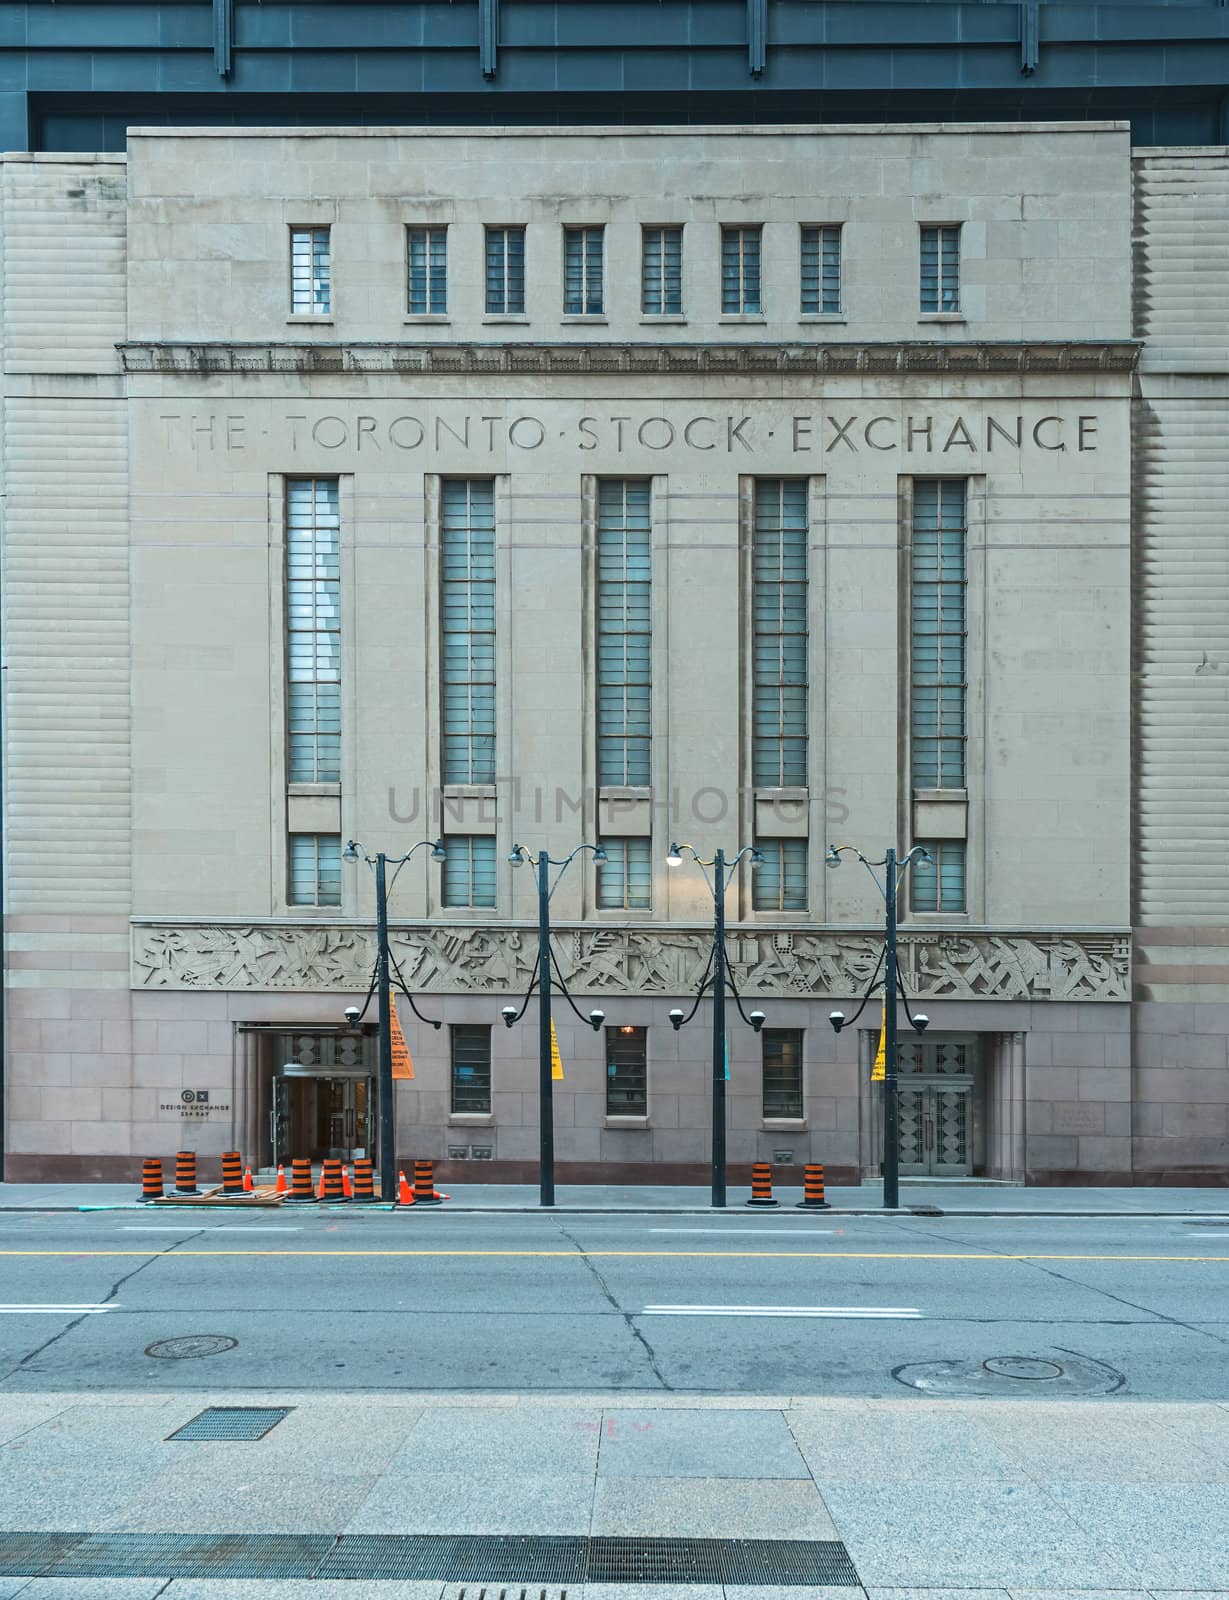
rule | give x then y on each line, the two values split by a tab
627	1072
661	272
313	626
941	269
469	869
740	271
625	878
310	273
467	607
624	632
780	882
315	869
782	1072
427	261
779	626
470	1050
505	271
582	272
821	270
939	884
938	629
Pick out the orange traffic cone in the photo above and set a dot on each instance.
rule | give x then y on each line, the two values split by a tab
347	1187
405	1195
280	1186
248	1186
320	1186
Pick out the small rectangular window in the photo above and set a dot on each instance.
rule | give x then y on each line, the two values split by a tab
310	276
821	270
625	878
780	882
627	1072
315	869
470	1051
938	884
782	1072
427	264
469	869
505	271
583	294
740	271
941	268
661	272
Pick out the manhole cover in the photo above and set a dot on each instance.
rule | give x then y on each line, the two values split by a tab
1023	1367
187	1349
232	1422
1013	1376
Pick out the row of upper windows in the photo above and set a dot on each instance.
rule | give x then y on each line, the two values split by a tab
661	270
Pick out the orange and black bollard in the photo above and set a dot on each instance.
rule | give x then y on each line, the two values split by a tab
364	1183
301	1183
185	1172
424	1184
232	1172
761	1184
151	1180
813	1188
331	1186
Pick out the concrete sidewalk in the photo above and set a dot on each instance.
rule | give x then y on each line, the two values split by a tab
992	1498
966	1198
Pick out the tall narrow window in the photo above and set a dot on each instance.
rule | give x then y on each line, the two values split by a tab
624	632
310	274
427	263
780	882
740	271
467	607
779	623
313	627
661	272
582	272
625	878
782	1072
505	271
941	269
469	869
821	270
470	1051
938	884
627	1072
315	869
937	689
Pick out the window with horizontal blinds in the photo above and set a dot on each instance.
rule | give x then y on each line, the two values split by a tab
313	630
505	271
311	291
627	1072
940	262
624	632
314	865
661	272
470	1060
779	883
583	294
740	271
467	611
938	628
779	633
821	270
782	1082
939	884
427	262
468	875
625	878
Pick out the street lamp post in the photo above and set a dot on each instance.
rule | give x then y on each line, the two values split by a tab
542	981
893	871
384	1080
720	978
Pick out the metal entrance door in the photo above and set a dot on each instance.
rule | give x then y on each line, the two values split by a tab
314	1117
935	1125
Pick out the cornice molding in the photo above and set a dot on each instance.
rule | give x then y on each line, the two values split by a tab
562	360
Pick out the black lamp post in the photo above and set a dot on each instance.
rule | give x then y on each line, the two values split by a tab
718	970
889	889
542	982
381	862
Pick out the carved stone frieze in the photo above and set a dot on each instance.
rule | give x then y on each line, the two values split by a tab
765	962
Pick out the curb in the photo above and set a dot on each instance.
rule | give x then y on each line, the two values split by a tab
927	1213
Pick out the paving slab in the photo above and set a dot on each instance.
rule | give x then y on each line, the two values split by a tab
475	1502
899	1443
1173	1534
711	1508
238	1498
1098	1444
305	1589
698	1444
544	1440
92	1588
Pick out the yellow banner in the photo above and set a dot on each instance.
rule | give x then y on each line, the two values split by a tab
556	1060
403	1064
878	1072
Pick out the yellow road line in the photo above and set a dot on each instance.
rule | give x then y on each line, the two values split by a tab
638	1255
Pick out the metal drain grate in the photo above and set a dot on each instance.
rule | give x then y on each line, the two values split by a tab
232	1422
24	1555
459	1557
179	1555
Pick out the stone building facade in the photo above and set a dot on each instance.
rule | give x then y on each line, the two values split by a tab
762	486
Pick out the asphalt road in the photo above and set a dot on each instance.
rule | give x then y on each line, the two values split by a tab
779	1303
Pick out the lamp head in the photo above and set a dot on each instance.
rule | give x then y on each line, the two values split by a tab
438	853
508	1013
837	1019
350	853
921	1022
596	1018
757	1019
674	856
517	856
599	855
676	1017
352	1014
756	857
833	858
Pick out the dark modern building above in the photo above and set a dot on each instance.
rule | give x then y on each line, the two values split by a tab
75	76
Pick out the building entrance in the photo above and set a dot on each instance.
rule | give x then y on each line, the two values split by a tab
936	1106
324	1100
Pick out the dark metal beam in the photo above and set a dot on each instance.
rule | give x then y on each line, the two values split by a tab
488	36
223	36
1030	36
757	36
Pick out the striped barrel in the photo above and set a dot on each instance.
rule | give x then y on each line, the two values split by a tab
424	1184
332	1187
301	1183
232	1172
185	1172
761	1184
151	1179
364	1182
813	1188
